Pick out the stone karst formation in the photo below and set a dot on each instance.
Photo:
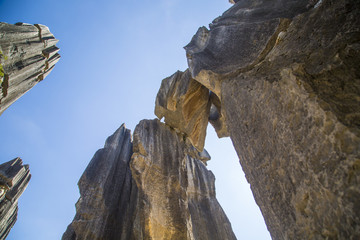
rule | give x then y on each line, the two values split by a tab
27	55
281	78
14	178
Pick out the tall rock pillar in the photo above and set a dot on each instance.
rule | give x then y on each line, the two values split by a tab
14	178
27	55
156	187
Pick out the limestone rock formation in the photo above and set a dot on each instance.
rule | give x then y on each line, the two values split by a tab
105	209
185	105
282	78
287	74
177	191
239	39
27	55
161	192
14	178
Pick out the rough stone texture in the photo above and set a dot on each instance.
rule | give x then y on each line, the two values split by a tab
185	105
178	192
239	39
167	194
14	178
105	209
294	117
27	55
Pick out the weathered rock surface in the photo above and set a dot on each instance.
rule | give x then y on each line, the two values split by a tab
27	55
14	178
177	191
105	209
288	77
167	194
185	105
239	39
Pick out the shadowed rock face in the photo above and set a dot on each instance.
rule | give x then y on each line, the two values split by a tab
185	105
161	193
105	209
14	178
289	90
27	55
239	39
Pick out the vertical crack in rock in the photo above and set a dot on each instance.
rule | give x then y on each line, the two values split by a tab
185	105
14	178
27	55
167	194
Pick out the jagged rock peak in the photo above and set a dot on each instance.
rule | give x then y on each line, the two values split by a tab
149	189
27	55
178	191
185	105
14	178
102	211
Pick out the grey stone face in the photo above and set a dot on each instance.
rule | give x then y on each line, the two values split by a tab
239	39
105	209
152	188
27	55
294	122
14	178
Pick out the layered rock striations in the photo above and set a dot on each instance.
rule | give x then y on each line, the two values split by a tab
14	178
287	74
105	209
27	55
151	188
177	191
282	78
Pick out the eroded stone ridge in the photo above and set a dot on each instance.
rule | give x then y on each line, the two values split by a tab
14	178
105	209
185	105
27	55
178	191
149	189
239	39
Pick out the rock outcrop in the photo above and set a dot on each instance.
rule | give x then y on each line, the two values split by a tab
282	78
105	209
27	55
287	74
149	189
185	105
14	178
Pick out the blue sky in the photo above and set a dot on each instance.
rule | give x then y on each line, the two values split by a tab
114	56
